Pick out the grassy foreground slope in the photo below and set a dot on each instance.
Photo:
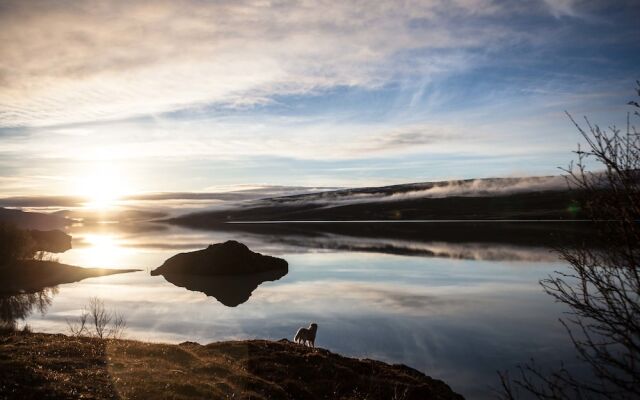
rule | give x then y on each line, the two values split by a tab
44	366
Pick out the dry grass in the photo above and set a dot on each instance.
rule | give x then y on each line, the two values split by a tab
42	366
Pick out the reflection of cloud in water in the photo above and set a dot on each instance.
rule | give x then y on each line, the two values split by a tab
122	246
457	320
369	298
464	251
451	310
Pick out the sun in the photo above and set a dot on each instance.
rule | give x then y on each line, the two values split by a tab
102	187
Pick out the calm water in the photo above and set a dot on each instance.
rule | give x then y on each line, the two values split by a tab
456	311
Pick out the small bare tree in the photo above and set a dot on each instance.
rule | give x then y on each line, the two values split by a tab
79	327
96	321
602	287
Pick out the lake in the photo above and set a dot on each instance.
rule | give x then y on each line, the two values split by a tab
456	310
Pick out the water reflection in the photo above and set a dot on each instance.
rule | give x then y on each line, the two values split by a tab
19	306
228	290
145	244
456	310
101	249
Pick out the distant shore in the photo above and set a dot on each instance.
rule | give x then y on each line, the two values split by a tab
37	365
394	204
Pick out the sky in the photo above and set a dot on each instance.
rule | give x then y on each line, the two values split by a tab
104	98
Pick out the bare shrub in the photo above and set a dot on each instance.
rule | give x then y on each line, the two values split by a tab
79	327
96	321
602	286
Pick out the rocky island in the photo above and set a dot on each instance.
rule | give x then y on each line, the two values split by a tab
228	271
228	258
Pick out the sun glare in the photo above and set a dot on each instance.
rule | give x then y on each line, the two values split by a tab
100	250
102	188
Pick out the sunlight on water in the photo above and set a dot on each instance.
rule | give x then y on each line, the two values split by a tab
100	250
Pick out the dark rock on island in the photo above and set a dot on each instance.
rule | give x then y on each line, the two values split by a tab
228	258
228	271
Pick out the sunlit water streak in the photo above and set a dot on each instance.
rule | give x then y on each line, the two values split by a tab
453	318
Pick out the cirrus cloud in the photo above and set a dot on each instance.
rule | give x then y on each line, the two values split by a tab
71	62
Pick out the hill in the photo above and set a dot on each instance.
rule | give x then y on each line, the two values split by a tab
36	366
502	199
32	220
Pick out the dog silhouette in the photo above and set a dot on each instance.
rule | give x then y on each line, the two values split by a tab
307	336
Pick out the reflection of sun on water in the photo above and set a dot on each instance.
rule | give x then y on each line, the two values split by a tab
100	250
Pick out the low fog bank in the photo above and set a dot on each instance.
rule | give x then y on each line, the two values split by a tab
150	205
486	187
166	205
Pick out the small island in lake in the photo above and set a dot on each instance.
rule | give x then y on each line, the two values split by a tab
228	271
228	258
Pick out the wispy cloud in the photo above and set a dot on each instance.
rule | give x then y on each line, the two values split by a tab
95	60
251	91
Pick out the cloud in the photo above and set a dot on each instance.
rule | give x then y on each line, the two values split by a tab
487	187
411	136
561	8
92	60
41	201
410	300
211	93
588	10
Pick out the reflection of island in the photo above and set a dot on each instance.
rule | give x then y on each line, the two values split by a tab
230	290
228	271
20	306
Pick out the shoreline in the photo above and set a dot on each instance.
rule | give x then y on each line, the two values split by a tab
39	365
29	276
